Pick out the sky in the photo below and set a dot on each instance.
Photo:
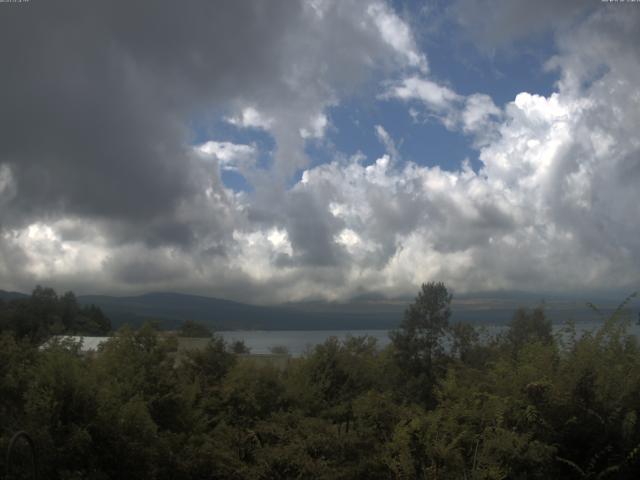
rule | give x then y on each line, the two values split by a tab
319	150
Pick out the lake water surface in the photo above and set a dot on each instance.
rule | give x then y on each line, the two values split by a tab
300	341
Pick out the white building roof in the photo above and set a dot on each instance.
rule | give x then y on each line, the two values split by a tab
87	344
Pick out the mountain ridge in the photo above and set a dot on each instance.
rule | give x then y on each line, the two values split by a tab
170	309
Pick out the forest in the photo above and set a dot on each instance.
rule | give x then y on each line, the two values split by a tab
440	402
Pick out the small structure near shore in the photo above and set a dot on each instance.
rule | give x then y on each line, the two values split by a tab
90	346
86	345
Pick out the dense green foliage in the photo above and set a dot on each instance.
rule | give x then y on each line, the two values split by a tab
419	349
46	313
436	403
193	329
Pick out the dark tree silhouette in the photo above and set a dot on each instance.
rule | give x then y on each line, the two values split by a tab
418	341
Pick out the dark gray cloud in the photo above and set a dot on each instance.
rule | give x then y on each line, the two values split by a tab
103	189
311	230
97	168
96	97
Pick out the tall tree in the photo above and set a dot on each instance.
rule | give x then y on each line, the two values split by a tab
528	327
418	343
193	329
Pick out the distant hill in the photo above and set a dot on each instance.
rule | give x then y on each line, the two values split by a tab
4	295
370	312
173	308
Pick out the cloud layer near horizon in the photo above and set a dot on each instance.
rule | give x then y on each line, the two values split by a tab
103	189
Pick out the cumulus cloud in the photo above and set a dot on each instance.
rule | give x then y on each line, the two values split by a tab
102	99
97	113
478	113
550	207
94	116
333	48
102	187
475	114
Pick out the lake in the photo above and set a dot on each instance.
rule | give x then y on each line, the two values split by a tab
299	341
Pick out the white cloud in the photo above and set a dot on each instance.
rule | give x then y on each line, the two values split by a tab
316	127
433	95
231	156
476	115
387	141
397	34
47	254
335	47
553	206
257	252
478	112
249	117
